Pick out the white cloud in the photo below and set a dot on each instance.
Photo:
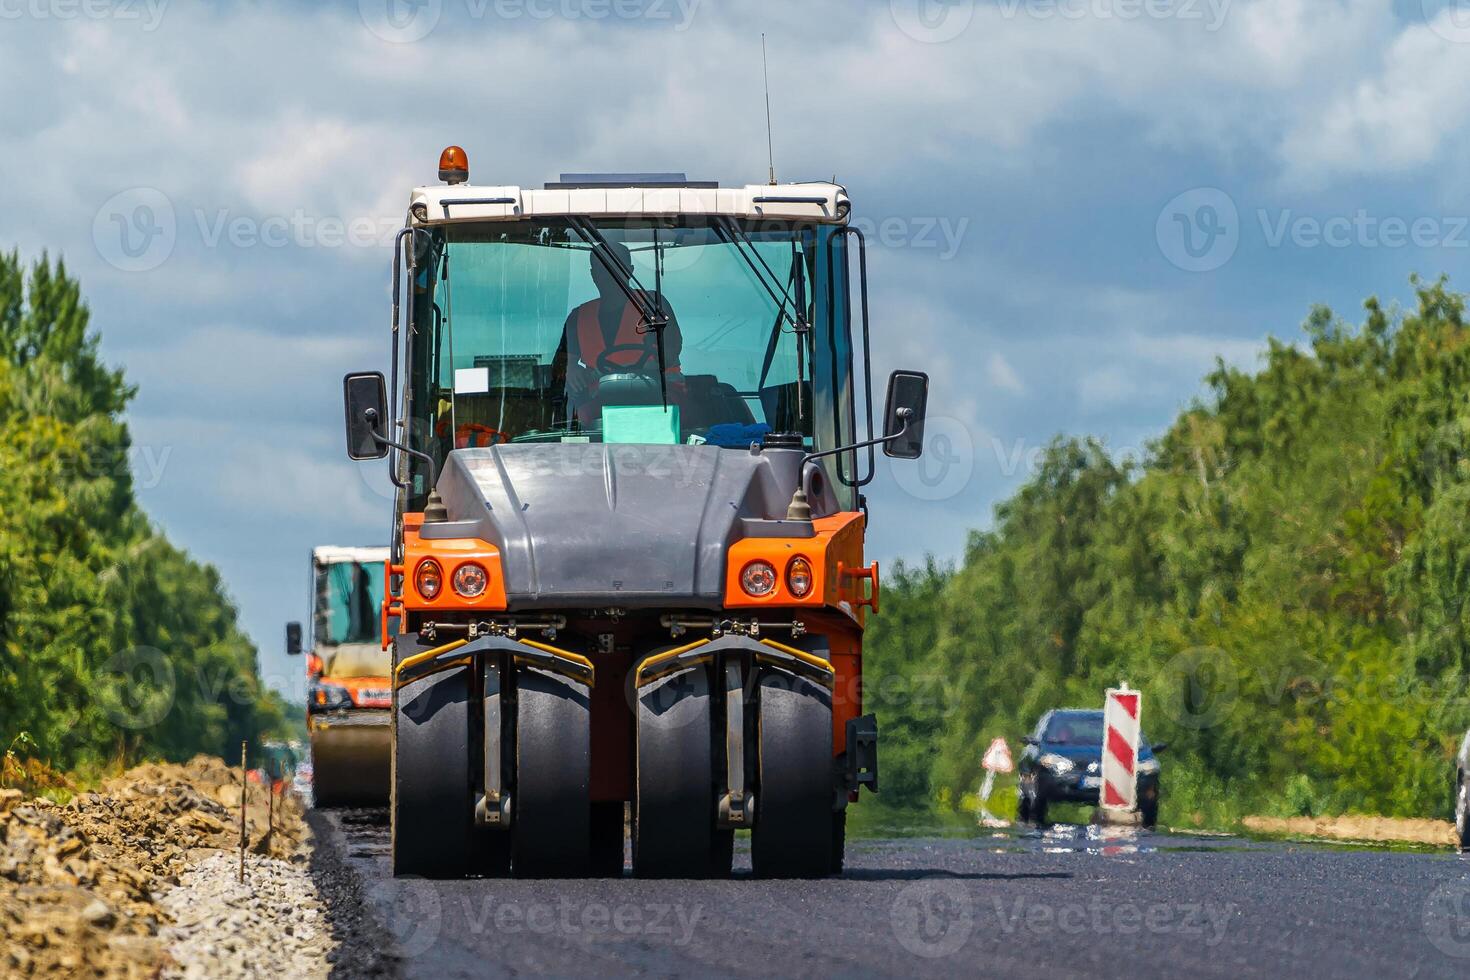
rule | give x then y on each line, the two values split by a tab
1000	374
1393	120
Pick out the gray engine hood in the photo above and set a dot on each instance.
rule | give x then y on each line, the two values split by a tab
628	525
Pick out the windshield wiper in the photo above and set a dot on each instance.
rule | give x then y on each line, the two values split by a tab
736	236
656	319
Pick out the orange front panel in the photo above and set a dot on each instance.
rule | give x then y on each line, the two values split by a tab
838	545
846	648
451	553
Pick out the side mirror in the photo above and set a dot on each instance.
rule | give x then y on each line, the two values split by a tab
1030	740
903	412
1158	747
366	398
293	639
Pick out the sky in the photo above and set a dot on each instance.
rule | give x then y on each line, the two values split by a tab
1075	207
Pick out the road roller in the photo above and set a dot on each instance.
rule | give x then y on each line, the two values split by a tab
629	420
349	694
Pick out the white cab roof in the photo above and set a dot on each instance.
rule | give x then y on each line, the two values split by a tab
332	554
472	202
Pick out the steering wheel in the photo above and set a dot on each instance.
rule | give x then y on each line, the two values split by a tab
605	364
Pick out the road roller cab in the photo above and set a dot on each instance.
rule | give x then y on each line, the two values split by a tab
349	690
628	563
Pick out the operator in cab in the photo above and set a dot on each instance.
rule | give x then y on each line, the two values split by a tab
606	335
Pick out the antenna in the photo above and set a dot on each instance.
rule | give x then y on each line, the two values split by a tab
765	76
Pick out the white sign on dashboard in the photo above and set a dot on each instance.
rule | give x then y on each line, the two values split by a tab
471	381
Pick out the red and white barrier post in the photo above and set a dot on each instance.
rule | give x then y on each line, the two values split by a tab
1118	798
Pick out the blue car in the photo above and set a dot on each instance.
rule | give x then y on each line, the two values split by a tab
1062	763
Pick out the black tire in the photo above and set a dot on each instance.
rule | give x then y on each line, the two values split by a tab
1023	807
1038	811
433	807
1462	812
551	832
839	840
324	794
674	802
1150	815
792	835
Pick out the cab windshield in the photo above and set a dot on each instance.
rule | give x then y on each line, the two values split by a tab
629	331
348	596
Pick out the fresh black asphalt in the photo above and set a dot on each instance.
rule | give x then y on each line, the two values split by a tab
1073	901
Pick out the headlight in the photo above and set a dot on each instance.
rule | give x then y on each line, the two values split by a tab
429	578
328	697
1058	764
470	580
799	577
1148	767
758	578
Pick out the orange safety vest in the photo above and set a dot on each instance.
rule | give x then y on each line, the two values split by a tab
591	342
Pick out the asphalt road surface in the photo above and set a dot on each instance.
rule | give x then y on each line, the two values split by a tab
1073	901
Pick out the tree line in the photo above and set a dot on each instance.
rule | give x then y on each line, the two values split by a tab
1283	574
114	643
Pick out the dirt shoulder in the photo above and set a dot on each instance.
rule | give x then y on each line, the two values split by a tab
1358	828
82	884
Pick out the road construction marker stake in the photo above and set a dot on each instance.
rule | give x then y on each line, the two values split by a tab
244	792
1119	793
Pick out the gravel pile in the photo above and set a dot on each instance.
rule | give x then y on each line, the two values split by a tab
273	925
82	884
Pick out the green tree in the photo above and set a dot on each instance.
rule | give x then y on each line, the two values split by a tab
1284	574
112	641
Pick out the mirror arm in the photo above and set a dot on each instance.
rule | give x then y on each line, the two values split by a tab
904	413
800	508
370	416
